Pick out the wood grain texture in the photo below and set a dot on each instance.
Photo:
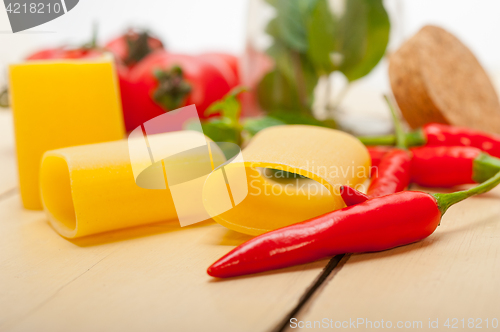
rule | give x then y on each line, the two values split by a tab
151	278
8	170
452	274
436	78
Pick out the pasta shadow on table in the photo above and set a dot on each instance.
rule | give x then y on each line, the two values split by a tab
134	233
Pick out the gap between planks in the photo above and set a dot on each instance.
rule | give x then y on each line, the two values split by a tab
8	193
331	269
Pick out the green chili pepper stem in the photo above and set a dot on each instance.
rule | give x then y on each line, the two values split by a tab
378	140
400	133
413	138
444	201
416	138
485	167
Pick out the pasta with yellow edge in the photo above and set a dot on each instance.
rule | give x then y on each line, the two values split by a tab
60	103
91	189
328	158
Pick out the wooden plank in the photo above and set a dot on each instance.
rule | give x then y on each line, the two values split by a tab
151	278
452	274
8	168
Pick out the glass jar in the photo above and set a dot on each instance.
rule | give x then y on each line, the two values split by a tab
303	56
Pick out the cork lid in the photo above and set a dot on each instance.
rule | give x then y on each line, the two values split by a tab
436	78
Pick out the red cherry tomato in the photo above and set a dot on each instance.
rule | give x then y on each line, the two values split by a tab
133	46
225	60
165	81
65	53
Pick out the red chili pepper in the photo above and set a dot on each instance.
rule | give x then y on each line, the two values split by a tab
376	154
352	196
377	224
447	166
393	172
441	166
436	134
392	176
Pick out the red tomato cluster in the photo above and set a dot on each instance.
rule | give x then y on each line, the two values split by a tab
153	80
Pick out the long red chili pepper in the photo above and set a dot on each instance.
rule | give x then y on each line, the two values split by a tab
448	166
377	224
393	175
436	134
393	172
441	166
352	196
376	155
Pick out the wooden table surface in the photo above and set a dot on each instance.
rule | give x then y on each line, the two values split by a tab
153	278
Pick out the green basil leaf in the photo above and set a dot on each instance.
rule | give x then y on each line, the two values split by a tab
363	37
289	25
322	31
291	84
229	106
221	130
311	41
300	118
353	43
254	125
275	91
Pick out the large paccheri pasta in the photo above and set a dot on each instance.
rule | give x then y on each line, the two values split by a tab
91	189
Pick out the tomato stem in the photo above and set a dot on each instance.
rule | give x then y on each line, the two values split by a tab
138	47
172	89
92	43
446	200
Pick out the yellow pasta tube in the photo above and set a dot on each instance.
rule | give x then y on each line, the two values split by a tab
90	189
328	158
94	188
57	104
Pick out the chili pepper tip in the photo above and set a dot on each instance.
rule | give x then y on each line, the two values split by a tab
352	196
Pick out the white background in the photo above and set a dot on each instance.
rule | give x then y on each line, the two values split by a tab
196	25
